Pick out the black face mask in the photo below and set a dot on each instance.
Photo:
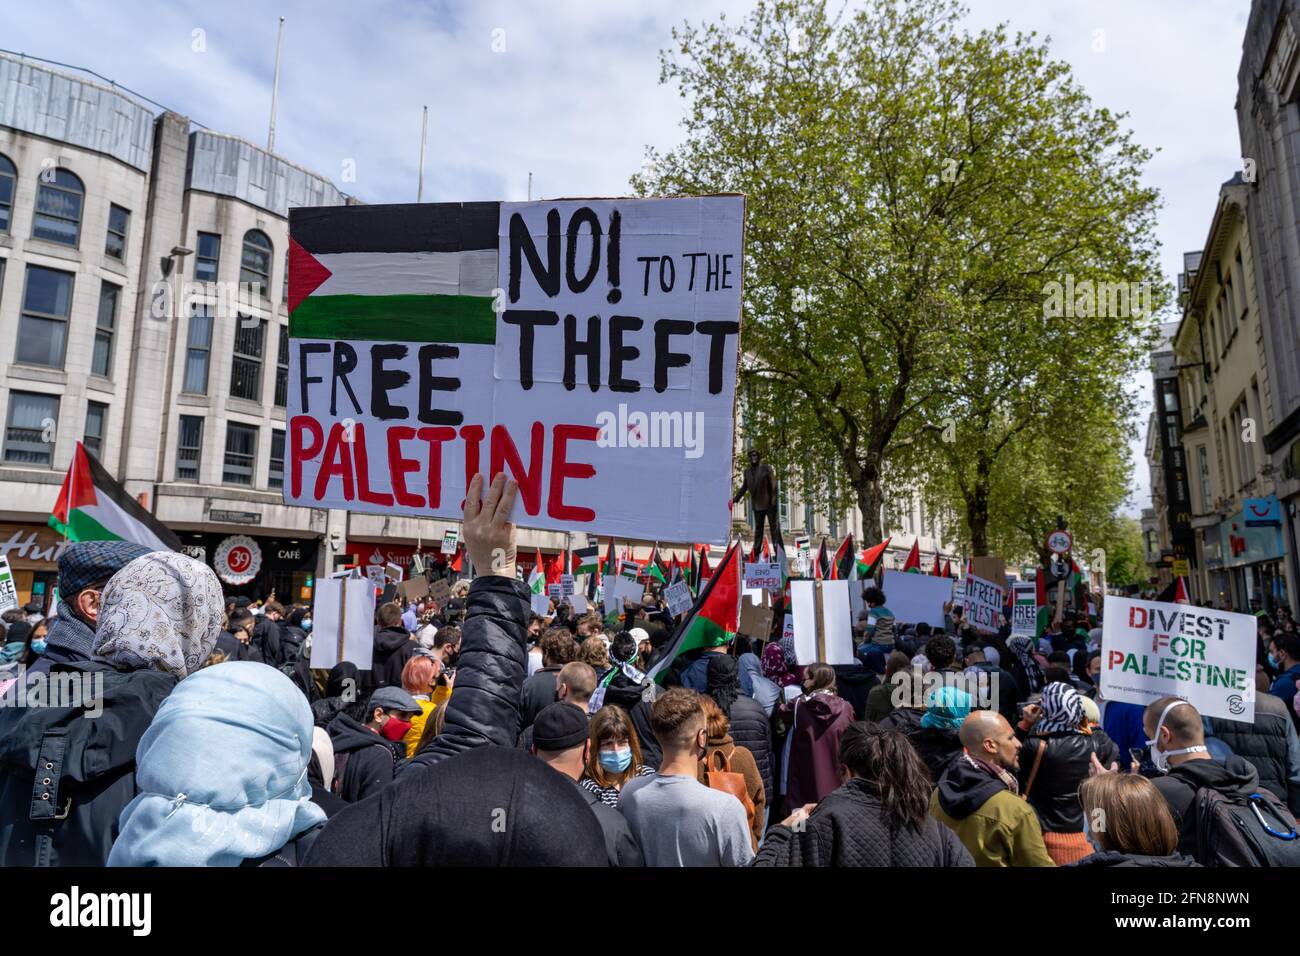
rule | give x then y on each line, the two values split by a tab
449	659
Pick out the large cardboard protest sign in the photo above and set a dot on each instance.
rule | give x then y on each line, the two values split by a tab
1151	649
916	597
588	348
823	630
343	623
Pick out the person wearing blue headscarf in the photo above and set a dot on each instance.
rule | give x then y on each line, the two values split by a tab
936	739
222	774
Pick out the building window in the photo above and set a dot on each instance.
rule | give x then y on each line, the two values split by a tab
284	291
241	453
8	183
96	423
207	258
198	349
189	448
275	476
1203	466
31	418
43	330
246	368
115	244
101	362
255	264
1245	449
58	208
282	369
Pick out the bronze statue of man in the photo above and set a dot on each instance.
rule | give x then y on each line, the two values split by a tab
760	483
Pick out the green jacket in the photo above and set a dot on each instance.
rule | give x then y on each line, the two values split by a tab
1002	831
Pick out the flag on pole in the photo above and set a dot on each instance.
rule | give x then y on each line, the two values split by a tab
870	560
455	563
610	564
913	562
536	577
845	567
587	560
654	567
93	507
822	571
947	568
693	577
705	572
714	618
938	570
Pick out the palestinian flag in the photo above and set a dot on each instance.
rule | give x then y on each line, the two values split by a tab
654	568
693	574
610	564
870	560
587	560
356	271
93	507
767	551
947	569
705	571
913	562
674	570
714	618
822	566
937	572
1175	593
536	577
845	567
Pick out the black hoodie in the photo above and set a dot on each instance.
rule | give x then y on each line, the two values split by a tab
371	760
1180	784
393	648
853	682
1114	858
963	789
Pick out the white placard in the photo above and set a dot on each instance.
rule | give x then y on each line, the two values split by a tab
618	587
541	604
916	597
555	592
837	644
763	575
1151	649
983	601
467	376
578	601
450	541
8	592
679	599
787	627
394	573
357	623
566	584
959	594
1024	609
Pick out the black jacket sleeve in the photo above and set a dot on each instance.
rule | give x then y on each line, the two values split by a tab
484	706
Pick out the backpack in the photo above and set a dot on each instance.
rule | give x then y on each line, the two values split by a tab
729	781
1238	829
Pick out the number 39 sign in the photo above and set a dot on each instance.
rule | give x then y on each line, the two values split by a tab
237	559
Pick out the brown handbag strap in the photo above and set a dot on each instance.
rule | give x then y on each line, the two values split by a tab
1033	771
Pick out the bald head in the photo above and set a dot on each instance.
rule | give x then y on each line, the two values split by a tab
576	682
987	735
1183	723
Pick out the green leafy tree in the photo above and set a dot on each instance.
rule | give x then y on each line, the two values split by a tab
911	187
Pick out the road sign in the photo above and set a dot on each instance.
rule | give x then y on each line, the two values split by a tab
1060	541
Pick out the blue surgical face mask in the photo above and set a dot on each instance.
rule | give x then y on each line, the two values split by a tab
616	761
1273	661
38	646
1087	834
306	624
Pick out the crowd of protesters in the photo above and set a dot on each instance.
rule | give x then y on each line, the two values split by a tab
483	733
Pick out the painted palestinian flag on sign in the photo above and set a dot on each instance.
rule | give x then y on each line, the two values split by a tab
714	618
420	278
93	507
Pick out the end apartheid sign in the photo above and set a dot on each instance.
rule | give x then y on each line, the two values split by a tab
1151	649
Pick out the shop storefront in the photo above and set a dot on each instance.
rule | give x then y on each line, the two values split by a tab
1253	555
257	566
33	554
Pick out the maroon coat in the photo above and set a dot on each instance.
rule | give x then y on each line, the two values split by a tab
814	761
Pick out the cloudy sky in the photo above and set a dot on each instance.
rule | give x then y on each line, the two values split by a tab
569	91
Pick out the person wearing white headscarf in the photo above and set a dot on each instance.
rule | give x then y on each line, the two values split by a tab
163	612
222	774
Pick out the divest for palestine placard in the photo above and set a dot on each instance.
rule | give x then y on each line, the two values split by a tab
588	348
1150	649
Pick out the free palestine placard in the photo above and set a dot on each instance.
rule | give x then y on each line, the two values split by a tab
588	348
